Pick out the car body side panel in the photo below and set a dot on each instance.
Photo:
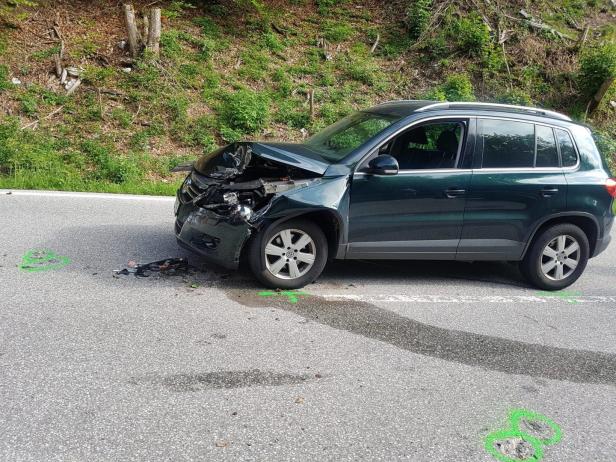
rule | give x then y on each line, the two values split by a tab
503	208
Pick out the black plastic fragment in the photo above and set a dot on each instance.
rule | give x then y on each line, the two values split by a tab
167	267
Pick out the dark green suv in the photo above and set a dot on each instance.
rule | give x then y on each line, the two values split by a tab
409	180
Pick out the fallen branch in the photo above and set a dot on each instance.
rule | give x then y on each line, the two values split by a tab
598	96
540	25
376	43
48	116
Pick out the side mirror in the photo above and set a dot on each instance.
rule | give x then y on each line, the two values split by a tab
383	165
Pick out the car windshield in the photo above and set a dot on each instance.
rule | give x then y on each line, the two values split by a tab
336	141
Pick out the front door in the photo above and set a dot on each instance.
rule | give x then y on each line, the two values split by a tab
418	212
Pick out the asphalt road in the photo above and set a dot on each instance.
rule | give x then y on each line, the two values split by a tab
376	361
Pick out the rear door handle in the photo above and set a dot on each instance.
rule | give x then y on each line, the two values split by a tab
452	193
549	192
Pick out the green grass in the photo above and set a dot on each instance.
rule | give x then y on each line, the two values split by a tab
227	74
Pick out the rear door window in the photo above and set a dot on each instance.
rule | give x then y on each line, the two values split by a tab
567	150
547	153
507	144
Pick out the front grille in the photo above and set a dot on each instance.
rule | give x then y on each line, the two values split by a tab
190	190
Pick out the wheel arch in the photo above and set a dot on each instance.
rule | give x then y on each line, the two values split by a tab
585	221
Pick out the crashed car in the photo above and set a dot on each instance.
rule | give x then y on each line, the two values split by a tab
405	180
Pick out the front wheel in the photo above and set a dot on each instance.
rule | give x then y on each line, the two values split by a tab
288	255
557	257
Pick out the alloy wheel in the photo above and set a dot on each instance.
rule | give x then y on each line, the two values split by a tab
560	257
290	254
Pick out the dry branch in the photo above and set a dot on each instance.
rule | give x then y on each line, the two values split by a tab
598	96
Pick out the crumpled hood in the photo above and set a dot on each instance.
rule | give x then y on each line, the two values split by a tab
231	160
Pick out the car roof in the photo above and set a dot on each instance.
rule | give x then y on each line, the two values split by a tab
404	108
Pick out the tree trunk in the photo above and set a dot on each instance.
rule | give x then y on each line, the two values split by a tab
133	32
153	44
596	100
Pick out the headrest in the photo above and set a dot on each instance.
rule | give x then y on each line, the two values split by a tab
417	136
447	142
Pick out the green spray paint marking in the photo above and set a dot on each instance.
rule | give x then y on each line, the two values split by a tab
292	295
563	294
516	416
42	260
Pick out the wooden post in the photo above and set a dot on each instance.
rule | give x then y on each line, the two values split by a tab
133	32
153	43
311	102
146	26
596	99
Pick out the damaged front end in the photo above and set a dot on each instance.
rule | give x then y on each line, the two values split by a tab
227	194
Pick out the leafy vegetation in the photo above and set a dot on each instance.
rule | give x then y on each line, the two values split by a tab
238	69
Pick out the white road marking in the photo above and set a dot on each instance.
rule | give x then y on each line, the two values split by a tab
85	195
471	299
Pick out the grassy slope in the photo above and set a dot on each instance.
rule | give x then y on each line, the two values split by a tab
226	73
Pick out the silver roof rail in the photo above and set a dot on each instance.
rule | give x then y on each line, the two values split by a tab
504	107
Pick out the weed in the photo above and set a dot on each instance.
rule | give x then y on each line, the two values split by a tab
337	31
597	65
122	117
457	87
515	96
29	104
246	111
324	6
208	27
230	135
5	84
176	9
471	34
293	114
255	64
418	14
43	55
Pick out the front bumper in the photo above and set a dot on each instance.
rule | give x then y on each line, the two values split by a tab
218	239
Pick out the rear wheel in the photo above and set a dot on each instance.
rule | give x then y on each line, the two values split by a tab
289	255
557	257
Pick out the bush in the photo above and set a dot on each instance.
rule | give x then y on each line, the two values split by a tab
606	143
418	17
515	96
457	87
596	66
472	34
337	31
245	110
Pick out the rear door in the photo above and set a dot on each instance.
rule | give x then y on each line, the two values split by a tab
519	181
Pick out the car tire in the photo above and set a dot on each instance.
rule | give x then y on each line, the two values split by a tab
549	260
277	262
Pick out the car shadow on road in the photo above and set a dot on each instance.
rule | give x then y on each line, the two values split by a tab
101	249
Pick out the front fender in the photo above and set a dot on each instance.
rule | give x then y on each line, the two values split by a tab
327	194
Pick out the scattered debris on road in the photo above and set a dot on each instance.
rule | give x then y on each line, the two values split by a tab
167	267
42	260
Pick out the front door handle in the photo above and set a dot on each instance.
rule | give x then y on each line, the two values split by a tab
452	193
549	192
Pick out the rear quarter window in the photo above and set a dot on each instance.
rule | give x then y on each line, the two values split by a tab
567	149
